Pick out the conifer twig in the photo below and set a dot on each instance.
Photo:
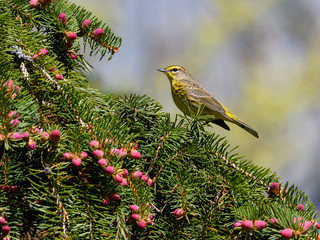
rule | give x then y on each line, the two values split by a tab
63	213
163	165
242	171
18	52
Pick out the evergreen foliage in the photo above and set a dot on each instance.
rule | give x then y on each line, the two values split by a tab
55	184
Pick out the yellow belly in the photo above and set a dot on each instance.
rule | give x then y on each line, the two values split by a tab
179	97
181	100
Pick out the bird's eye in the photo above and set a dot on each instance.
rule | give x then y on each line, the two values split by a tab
174	69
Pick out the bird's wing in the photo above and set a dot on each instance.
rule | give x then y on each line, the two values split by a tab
198	93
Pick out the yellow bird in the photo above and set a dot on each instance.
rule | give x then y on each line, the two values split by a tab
187	92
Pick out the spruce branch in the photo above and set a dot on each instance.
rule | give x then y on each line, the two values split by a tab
137	174
64	218
242	171
178	154
160	144
217	151
25	74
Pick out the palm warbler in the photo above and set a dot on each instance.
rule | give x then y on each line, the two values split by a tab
187	92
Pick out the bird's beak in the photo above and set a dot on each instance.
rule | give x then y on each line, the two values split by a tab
162	70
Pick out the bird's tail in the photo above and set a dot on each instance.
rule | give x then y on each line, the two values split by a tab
245	127
232	118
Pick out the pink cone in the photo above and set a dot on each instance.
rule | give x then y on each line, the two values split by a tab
5	188
124	182
122	152
14	189
25	136
97	33
34	3
42	52
118	178
16	136
73	55
6	229
135	217
259	224
179	212
106	201
144	178
300	207
137	174
274	221
2	137
32	144
71	36
94	144
44	136
114	151
58	76
237	224
67	156
286	233
149	221
150	182
142	224
9	85
13	114
83	155
306	226
76	162
37	130
274	188
98	154
125	173
115	197
54	136
247	225
102	162
135	154
14	122
134	208
134	145
85	24
62	18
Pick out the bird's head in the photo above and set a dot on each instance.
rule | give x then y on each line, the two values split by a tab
175	72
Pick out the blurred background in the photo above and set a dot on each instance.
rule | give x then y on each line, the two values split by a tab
260	58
